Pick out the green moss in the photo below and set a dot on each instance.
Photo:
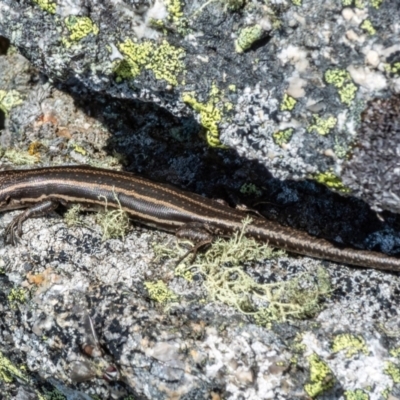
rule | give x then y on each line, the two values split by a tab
330	180
164	60
159	292
322	126
341	80
393	371
357	394
250	189
16	296
288	103
321	377
9	100
8	371
80	27
368	27
283	137
54	394
351	343
247	36
47	5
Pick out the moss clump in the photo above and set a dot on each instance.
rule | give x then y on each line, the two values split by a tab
8	371
288	103
47	5
9	100
164	60
351	343
159	292
247	36
80	27
357	394
368	27
341	80
283	137
321	377
114	223
225	281
322	125
330	180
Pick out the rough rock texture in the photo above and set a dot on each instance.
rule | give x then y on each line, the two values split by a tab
86	318
284	82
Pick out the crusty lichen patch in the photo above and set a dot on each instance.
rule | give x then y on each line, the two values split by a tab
80	27
8	370
247	36
393	371
288	103
322	126
330	180
47	5
164	60
357	394
9	99
352	344
341	80
321	376
159	292
283	137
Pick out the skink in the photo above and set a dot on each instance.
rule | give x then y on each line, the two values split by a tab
160	206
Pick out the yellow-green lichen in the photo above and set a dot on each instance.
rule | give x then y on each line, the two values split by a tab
114	223
376	3
176	16
385	393
16	296
393	371
359	4
352	344
357	394
225	281
250	189
395	352
297	2
164	60
347	3
368	27
8	371
159	292
232	88
247	36
288	103
341	80
47	5
80	27
210	113
283	137
393	68
9	99
330	180
321	377
19	157
322	126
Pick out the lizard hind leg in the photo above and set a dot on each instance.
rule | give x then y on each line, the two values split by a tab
14	228
196	232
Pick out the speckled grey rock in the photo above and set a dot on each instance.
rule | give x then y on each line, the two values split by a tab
284	82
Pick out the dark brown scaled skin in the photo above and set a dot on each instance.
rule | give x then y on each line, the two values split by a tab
161	206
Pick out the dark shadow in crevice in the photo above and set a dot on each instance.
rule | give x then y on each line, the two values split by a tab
172	150
4	45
